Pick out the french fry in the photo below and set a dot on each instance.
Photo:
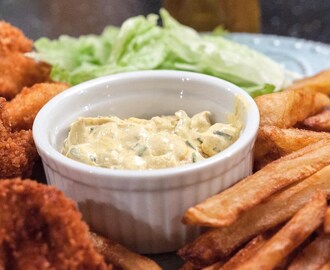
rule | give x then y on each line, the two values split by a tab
188	266
302	224
120	256
319	122
191	266
314	255
273	142
319	82
285	109
245	253
217	244
326	266
224	208
301	107
327	221
215	266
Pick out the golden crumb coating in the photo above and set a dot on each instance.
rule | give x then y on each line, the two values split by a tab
13	38
17	70
20	112
42	229
17	151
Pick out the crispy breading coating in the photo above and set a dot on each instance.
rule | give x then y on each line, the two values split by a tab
17	151
13	39
16	69
20	112
42	229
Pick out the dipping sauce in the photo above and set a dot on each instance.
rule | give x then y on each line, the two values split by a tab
140	144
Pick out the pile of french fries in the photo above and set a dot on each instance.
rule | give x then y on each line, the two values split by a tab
278	217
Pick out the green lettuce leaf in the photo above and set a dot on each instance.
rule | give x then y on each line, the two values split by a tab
141	44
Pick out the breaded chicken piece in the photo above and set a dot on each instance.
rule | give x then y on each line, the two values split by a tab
16	69
17	151
13	39
19	113
42	229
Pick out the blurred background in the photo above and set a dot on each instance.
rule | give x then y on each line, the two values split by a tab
297	18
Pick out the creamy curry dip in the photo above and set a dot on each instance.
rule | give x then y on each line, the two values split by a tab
140	144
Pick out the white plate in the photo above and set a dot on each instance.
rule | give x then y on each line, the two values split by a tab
302	56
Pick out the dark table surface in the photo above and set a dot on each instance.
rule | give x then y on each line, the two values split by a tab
51	18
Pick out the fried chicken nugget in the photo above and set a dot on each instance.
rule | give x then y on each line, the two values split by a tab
20	112
17	151
42	229
13	39
17	70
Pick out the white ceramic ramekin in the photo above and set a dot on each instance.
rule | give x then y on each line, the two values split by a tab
143	209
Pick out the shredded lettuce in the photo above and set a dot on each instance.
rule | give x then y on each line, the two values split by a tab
142	44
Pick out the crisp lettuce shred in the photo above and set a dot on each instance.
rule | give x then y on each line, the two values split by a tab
141	44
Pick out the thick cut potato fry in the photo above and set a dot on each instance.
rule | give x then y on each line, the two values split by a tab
325	266
190	266
303	223
224	208
245	253
327	221
285	109
319	122
319	82
316	254
120	256
217	244
273	142
215	266
19	113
